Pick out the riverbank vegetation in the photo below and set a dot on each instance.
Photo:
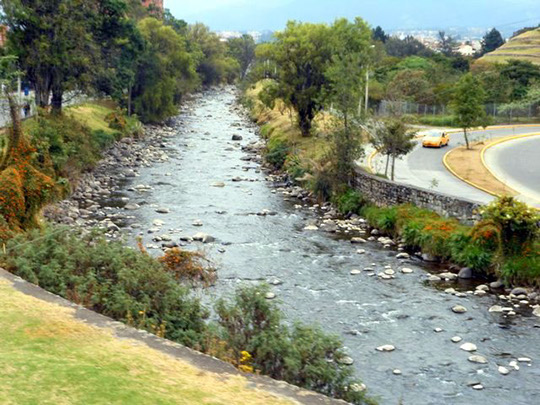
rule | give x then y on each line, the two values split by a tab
323	157
131	286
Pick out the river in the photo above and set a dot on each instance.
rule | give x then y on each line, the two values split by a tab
314	266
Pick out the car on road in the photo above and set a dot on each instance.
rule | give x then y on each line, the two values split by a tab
437	141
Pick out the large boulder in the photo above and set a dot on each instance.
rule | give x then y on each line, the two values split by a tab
465	273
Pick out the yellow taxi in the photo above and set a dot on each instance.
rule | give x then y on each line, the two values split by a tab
437	141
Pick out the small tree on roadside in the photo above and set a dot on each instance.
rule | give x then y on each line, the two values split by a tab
393	139
468	104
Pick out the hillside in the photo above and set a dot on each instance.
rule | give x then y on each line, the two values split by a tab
524	47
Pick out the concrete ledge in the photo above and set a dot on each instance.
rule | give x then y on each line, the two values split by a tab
197	359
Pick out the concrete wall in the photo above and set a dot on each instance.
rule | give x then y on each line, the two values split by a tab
383	192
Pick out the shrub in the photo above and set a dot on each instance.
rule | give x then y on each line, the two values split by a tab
350	202
277	152
188	266
102	139
122	283
116	120
300	354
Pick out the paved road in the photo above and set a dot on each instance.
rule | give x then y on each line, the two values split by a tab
517	163
425	168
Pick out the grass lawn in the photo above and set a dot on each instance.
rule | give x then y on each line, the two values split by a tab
49	357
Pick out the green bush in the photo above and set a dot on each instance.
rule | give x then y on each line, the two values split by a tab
102	139
122	283
437	120
277	152
350	202
300	354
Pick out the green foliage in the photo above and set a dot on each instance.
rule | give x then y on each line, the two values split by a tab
108	278
491	41
116	120
243	50
277	152
468	104
165	74
349	202
301	355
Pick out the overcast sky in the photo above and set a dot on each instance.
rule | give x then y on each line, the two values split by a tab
390	14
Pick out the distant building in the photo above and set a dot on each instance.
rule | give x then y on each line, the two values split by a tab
158	4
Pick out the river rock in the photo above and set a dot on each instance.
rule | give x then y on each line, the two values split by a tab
270	296
237	137
482	287
496	285
427	257
132	207
203	237
434	278
311	228
361	251
389	272
406	270
478	359
459	309
465	273
358	387
456	339
218	184
503	370
468	347
478	387
448	276
397	372
386	348
358	240
197	222
536	312
403	255
346	360
158	222
163	210
496	309
519	291
355	272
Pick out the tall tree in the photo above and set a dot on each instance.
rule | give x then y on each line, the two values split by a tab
53	42
243	50
447	43
468	104
350	42
491	41
165	73
378	34
301	53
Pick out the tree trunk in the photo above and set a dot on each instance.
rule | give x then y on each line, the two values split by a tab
15	133
387	163
305	115
393	166
57	100
466	137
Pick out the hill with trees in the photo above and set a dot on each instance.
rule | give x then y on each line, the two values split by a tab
525	46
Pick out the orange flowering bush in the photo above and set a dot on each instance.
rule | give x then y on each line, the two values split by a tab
188	266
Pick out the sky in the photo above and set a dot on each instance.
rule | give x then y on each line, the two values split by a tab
245	15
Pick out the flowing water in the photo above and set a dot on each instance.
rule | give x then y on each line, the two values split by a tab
314	267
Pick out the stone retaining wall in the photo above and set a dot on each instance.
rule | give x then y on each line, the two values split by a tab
384	192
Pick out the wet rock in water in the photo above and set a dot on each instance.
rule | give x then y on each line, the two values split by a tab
496	285
478	359
311	228
459	309
158	222
276	282
536	312
478	387
203	237
218	184
197	222
132	207
519	291
448	276
236	137
465	273
434	278
357	240
347	361
403	256
355	272
468	347
270	296
358	387
456	339
496	309
437	330
503	370
386	348
389	272
524	359
406	270
361	251
397	372
482	287
514	365
163	210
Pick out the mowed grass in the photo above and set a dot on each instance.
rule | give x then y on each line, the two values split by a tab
49	357
92	115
